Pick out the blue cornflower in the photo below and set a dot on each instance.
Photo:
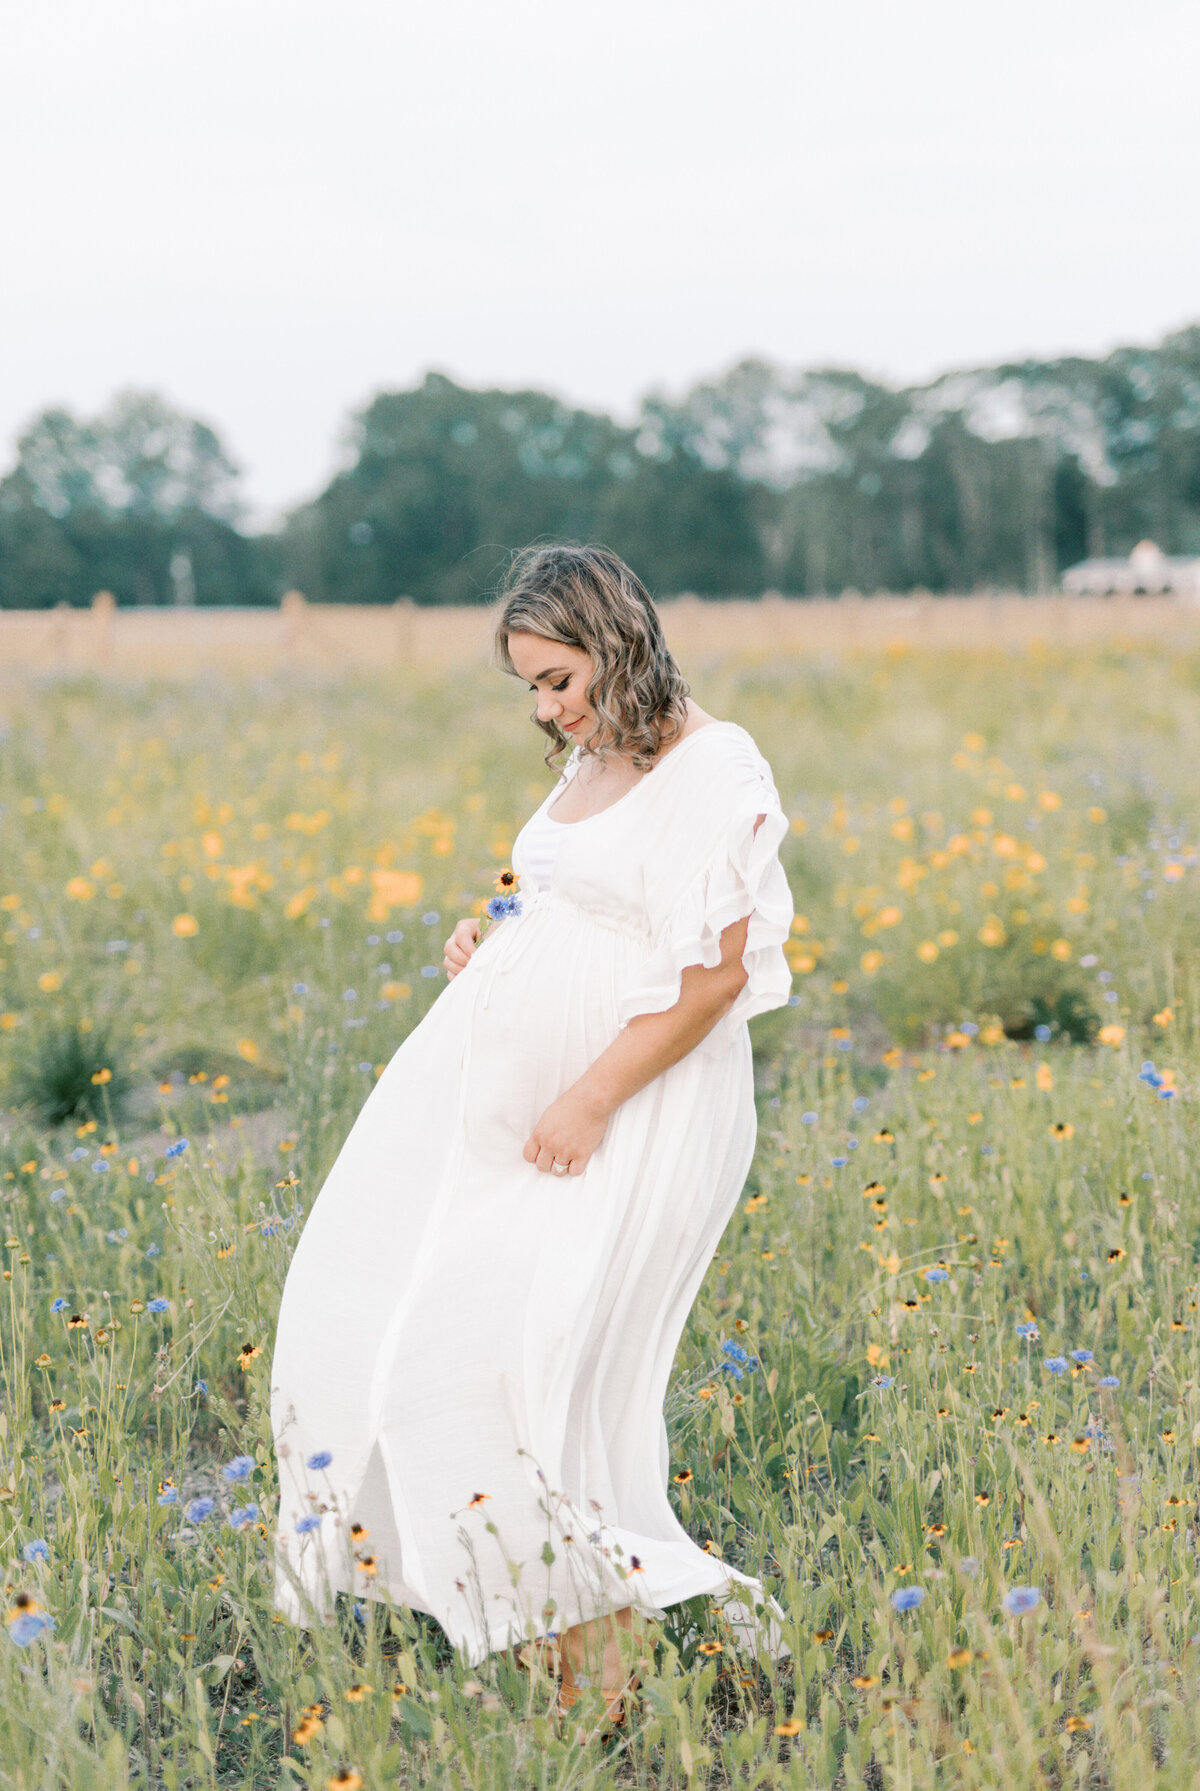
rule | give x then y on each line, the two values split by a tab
349	994
937	1274
177	1149
809	1119
199	1509
1167	1094
907	1598
201	1387
1019	1599
60	1305
1108	1380
28	1626
320	1460
242	1516
309	1522
860	1103
37	1551
1082	1355
240	1468
299	988
1042	1033
731	1368
735	1350
883	1380
1028	1329
430	970
970	1027
839	1162
100	1166
154	1250
169	1496
157	1304
501	905
431	919
1056	1364
968	1564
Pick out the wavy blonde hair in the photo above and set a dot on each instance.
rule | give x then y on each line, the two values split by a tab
587	597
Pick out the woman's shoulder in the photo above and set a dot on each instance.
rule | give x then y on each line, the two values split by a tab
719	742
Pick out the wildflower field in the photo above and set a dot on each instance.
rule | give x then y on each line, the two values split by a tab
940	1390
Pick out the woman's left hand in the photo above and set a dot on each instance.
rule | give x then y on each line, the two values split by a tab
568	1132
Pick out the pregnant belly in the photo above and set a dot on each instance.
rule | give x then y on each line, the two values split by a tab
544	1008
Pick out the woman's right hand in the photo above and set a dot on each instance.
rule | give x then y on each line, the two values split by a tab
461	943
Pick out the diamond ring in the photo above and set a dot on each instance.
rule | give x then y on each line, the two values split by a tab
560	1168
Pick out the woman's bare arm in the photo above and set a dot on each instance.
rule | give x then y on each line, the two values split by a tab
572	1126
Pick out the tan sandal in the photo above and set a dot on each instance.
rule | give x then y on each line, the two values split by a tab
618	1705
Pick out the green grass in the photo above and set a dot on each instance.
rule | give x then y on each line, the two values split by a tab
196	895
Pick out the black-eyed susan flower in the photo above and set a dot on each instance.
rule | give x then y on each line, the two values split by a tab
1115	1255
505	881
78	1321
958	1657
348	1780
306	1730
359	1533
476	1500
1168	1436
368	1565
792	1726
864	1681
399	1690
356	1693
822	1635
712	1648
683	1476
247	1354
1062	1129
1074	1723
1124	1199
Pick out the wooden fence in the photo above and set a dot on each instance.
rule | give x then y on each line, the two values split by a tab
333	638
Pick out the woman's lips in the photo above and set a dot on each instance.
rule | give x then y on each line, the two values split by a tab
570	726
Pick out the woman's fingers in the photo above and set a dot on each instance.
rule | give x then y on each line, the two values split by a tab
544	1157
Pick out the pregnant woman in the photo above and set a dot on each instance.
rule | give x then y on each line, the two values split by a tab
479	1322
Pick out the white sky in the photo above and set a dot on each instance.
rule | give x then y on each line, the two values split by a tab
270	210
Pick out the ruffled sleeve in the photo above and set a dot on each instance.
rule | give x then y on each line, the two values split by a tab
706	867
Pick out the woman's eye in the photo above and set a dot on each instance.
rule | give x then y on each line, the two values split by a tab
563	685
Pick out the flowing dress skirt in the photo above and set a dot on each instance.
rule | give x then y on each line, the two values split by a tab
472	1355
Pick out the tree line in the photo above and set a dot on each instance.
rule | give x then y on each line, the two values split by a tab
804	482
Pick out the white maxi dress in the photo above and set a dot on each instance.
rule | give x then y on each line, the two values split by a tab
472	1355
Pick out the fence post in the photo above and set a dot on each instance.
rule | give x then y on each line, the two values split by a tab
293	624
404	610
103	605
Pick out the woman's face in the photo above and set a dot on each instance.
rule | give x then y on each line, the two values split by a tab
559	677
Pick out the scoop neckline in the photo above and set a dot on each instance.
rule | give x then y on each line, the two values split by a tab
641	780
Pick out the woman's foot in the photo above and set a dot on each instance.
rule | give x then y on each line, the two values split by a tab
591	1659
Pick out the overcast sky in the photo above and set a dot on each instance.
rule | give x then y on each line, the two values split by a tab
269	211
